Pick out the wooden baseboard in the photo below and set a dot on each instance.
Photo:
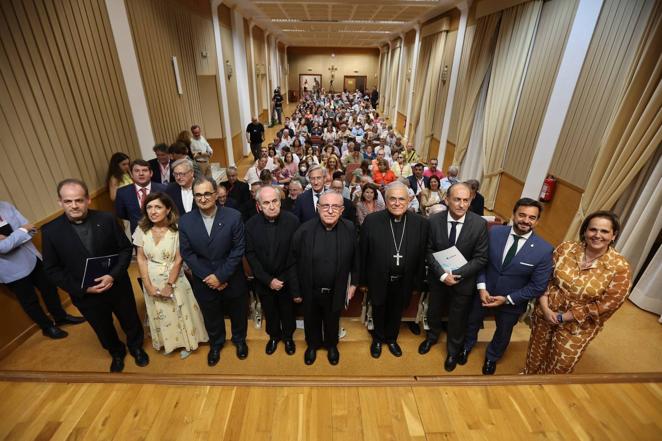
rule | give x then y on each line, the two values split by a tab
310	381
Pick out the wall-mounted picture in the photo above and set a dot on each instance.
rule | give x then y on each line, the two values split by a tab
309	83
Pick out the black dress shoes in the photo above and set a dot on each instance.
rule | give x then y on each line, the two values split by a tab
140	356
333	355
272	344
450	363
214	356
290	347
242	350
424	347
376	349
117	365
54	332
414	327
70	320
463	357
310	356
489	367
395	349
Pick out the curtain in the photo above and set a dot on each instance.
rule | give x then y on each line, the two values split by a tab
422	72
480	57
646	293
644	223
634	133
513	47
472	165
424	112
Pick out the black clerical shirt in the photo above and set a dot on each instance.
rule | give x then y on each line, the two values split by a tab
270	227
325	256
398	226
84	231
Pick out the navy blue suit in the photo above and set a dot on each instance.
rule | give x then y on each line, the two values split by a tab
219	253
127	206
523	279
413	183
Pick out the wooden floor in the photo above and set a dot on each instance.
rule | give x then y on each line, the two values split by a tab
34	411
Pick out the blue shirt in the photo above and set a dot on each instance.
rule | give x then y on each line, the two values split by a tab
18	255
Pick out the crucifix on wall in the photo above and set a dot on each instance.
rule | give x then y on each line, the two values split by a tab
332	70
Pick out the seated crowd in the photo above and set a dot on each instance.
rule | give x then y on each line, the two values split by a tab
336	205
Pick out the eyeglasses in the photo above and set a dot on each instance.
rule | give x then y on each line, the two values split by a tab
206	195
393	200
332	207
181	174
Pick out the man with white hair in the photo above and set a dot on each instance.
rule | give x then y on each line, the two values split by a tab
294	191
451	179
181	190
325	253
392	265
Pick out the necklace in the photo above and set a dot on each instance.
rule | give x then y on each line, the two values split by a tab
397	246
586	262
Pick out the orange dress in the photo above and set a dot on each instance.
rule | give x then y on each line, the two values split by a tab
592	294
385	178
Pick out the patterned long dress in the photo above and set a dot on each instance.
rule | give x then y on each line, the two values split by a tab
592	294
177	322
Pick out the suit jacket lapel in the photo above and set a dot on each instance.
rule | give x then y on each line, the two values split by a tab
217	226
500	245
444	228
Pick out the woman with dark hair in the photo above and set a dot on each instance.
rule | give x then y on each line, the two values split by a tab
432	197
118	173
590	282
185	138
175	320
369	202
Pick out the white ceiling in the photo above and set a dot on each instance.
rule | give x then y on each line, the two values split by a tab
340	23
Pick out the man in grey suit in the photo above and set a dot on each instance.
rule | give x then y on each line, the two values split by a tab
468	233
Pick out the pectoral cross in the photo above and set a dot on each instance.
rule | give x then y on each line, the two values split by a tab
397	258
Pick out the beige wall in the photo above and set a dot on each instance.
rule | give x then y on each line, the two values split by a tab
349	61
442	93
63	102
260	79
407	59
225	15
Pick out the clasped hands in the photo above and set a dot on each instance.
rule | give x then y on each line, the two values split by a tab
104	283
490	301
213	282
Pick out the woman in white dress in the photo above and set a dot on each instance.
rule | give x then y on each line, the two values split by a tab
175	320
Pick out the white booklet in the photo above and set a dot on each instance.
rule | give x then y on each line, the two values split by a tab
450	259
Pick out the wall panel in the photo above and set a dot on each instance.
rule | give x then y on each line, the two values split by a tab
599	87
63	105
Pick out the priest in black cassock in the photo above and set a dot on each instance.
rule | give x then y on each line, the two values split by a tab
325	253
392	264
268	238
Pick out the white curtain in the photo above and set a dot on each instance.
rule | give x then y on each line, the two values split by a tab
646	293
472	165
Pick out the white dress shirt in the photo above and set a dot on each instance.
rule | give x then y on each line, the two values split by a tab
458	228
187	198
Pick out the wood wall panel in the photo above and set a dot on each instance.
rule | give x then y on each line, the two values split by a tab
433	151
162	29
238	146
63	105
599	87
510	189
551	36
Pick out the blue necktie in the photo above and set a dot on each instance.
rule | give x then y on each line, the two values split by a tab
453	233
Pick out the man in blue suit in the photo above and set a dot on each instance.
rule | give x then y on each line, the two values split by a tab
211	241
129	199
518	269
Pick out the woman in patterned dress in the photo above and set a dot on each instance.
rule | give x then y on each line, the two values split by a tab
175	320
591	281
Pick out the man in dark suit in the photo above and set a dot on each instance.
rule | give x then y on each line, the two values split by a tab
518	269
468	233
129	199
72	238
211	242
325	253
294	190
268	238
477	200
223	199
161	165
181	191
392	264
237	189
417	182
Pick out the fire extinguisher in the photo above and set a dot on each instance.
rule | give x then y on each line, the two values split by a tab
548	187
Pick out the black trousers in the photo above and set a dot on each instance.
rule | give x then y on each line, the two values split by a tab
98	309
321	323
505	322
278	311
387	316
255	149
214	306
458	314
27	297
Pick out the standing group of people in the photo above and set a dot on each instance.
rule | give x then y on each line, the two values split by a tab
318	247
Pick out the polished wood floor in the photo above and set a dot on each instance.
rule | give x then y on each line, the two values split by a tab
35	411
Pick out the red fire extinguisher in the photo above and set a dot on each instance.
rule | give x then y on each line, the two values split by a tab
548	187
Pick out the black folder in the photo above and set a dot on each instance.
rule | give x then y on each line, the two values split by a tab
96	267
6	230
